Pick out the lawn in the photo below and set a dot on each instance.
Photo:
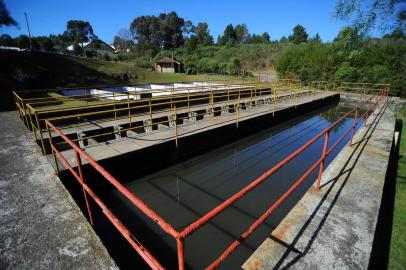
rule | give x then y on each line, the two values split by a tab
37	70
397	256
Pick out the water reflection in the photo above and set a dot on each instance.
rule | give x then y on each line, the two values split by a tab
184	192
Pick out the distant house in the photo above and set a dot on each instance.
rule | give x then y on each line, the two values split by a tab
97	45
168	65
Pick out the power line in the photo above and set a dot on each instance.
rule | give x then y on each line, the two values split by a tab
29	32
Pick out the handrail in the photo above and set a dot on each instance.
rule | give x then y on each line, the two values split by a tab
373	102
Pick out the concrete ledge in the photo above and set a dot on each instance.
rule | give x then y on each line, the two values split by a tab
41	227
333	228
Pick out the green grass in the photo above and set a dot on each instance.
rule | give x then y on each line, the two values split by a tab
397	256
36	70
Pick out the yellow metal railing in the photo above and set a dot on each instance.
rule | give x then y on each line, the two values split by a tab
115	107
236	106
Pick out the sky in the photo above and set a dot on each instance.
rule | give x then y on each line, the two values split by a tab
277	17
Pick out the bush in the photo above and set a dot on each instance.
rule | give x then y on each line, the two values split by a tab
363	61
90	54
346	73
106	57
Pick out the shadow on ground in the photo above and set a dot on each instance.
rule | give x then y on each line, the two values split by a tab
39	70
380	250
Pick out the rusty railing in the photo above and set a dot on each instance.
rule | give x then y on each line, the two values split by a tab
179	236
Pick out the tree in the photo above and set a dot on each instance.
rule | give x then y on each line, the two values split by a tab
48	45
396	34
164	31
283	39
123	41
202	34
229	36
6	40
35	46
265	37
79	32
60	42
5	18
191	43
187	28
172	29
146	31
23	42
348	39
316	38
299	35
365	14
241	33
255	39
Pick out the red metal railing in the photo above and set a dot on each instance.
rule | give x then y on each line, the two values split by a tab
373	102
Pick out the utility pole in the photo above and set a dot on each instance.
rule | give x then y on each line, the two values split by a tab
29	32
172	62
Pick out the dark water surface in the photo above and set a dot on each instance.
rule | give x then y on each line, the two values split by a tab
186	191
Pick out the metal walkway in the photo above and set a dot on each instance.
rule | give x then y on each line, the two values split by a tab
131	141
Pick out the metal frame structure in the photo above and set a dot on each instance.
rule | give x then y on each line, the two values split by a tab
179	236
34	117
148	107
108	99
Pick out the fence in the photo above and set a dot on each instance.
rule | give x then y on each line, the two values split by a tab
129	111
179	236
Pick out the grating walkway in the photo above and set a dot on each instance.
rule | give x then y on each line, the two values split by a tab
135	142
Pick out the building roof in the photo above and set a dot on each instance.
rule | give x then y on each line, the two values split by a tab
71	47
85	44
167	60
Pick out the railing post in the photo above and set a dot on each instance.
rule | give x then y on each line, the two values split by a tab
353	126
52	149
114	105
367	113
181	256
212	103
176	125
129	110
40	133
82	182
188	99
273	105
150	109
238	109
323	156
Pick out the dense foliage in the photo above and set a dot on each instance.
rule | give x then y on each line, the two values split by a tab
5	18
351	57
227	59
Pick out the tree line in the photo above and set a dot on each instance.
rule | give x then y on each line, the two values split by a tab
154	33
351	56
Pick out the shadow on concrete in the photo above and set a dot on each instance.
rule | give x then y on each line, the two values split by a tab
381	245
359	145
40	70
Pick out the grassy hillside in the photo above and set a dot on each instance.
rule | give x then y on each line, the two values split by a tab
222	59
36	70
